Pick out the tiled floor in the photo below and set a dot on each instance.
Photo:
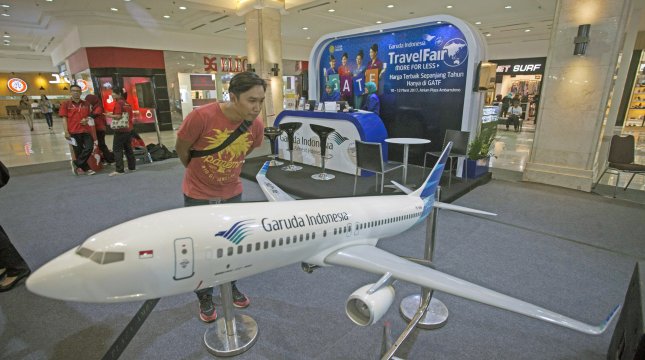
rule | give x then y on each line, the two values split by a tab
19	146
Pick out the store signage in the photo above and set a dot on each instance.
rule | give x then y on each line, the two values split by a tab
519	68
226	64
83	84
17	85
59	79
530	66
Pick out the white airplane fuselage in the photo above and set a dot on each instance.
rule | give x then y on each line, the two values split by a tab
185	249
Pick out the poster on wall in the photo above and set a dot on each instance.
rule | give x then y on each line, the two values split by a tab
419	73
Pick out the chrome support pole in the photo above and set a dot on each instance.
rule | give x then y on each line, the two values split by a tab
437	313
232	335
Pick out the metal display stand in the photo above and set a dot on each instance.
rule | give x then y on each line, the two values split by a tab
232	335
422	310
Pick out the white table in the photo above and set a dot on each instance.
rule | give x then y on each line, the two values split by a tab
406	142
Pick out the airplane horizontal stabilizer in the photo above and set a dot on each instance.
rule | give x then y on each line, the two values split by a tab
405	189
377	261
270	190
463	209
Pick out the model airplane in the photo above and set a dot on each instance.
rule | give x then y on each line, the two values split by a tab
181	250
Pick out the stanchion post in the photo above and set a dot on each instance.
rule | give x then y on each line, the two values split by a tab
436	315
232	335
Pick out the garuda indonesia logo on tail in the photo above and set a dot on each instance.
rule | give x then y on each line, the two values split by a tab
237	232
337	138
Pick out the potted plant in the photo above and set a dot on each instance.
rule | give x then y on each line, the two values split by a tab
479	152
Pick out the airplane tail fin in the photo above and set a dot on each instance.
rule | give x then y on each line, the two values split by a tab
428	188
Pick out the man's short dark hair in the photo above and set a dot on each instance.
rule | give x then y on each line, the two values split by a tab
119	91
244	81
75	86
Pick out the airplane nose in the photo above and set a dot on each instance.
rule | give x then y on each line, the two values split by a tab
59	279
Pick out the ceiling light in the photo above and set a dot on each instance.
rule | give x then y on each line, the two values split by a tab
305	28
478	22
379	22
127	0
182	8
308	37
6	44
114	9
5	6
527	30
331	10
507	7
6	35
166	16
390	6
489	34
448	6
5	14
49	0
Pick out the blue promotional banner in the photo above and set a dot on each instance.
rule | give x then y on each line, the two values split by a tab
419	72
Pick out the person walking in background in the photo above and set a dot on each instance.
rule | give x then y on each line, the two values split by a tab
100	124
47	109
75	113
214	177
122	141
26	111
372	103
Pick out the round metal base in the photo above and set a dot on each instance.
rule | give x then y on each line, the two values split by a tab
220	344
435	317
322	176
275	163
291	168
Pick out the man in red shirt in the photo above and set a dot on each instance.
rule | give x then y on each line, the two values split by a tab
122	136
215	178
97	112
75	114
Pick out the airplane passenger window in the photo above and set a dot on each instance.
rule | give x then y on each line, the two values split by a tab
230	251
288	240
335	231
301	237
240	249
266	244
249	247
273	243
280	242
258	245
313	236
307	236
220	253
324	233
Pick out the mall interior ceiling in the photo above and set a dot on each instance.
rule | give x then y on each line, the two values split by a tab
33	30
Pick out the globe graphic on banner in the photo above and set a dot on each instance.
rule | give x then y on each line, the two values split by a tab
456	52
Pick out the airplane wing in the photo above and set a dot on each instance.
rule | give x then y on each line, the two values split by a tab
271	190
463	209
374	260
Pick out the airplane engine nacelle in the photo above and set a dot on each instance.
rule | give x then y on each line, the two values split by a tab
365	309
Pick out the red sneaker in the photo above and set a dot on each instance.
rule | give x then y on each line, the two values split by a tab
240	300
207	311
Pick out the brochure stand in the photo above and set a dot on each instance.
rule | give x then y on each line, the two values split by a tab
232	335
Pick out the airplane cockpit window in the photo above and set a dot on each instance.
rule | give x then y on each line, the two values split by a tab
100	257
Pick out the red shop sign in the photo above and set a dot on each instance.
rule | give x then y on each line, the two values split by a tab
17	85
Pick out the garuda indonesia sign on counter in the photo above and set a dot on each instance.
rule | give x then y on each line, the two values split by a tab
421	71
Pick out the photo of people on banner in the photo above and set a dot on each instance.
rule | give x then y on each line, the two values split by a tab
347	82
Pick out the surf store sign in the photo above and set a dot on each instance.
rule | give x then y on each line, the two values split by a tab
17	85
